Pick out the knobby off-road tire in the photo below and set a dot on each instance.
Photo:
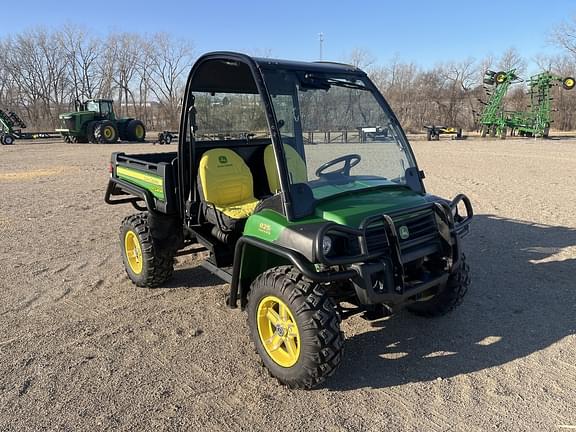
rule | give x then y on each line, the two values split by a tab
319	342
449	298
146	264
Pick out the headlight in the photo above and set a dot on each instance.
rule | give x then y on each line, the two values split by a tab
326	245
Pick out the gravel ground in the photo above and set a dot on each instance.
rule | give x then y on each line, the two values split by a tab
81	348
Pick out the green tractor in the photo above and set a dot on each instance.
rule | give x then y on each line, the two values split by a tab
94	121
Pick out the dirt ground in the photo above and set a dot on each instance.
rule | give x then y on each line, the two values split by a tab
81	348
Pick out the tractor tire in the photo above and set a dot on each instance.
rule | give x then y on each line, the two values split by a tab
67	139
73	139
428	135
167	138
295	327
90	128
546	133
135	131
448	298
568	83
106	132
503	133
145	262
7	139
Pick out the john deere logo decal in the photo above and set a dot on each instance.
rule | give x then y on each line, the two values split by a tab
403	232
222	159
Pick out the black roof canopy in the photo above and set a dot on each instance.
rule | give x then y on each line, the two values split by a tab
225	72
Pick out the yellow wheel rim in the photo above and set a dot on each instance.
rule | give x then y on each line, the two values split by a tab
278	331
568	82
139	132
133	251
108	132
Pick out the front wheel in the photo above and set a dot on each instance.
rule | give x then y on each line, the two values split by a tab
105	132
295	327
146	263
450	297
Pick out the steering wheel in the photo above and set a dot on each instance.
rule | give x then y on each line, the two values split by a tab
350	161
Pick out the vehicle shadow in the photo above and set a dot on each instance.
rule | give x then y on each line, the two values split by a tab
521	301
192	277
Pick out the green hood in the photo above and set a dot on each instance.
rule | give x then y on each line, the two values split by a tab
351	209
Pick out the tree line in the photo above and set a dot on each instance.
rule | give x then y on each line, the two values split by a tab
42	73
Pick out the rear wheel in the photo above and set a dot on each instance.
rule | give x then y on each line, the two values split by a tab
450	297
146	263
295	327
135	131
106	132
7	139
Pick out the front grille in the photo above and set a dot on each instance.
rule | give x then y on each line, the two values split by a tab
423	225
420	229
376	239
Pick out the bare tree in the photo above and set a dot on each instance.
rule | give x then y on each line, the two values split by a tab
564	36
170	60
511	59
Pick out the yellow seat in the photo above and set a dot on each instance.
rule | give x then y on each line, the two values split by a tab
296	167
227	185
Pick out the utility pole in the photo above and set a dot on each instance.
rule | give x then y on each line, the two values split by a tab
321	40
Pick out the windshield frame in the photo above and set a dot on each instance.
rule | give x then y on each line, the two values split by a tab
301	199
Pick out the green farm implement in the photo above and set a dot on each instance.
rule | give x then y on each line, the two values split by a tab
491	119
536	120
11	126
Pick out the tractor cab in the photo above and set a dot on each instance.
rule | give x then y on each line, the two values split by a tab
103	107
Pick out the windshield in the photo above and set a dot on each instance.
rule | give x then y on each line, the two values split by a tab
92	106
335	124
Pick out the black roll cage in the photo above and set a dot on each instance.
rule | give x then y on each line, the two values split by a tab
291	199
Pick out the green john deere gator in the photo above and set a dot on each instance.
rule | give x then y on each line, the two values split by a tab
305	234
94	121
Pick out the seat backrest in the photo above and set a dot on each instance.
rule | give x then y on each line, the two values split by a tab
225	178
296	167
